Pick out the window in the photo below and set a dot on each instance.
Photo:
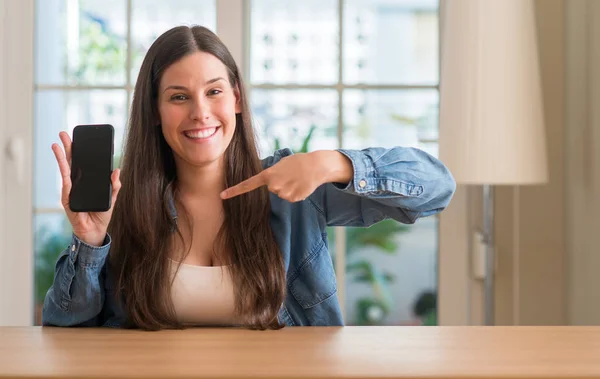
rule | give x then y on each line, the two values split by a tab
87	56
377	85
347	73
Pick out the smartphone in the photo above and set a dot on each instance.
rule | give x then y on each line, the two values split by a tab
91	167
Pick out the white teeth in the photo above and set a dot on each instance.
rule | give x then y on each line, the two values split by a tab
199	134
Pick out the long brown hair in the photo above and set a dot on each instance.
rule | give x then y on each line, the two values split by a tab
141	226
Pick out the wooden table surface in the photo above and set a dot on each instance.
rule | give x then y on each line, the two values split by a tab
302	352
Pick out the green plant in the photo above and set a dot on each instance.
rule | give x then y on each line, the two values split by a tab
305	142
101	52
425	308
381	236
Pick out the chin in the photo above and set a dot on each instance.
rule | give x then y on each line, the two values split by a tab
205	159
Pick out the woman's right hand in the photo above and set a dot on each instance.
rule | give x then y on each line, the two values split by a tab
89	227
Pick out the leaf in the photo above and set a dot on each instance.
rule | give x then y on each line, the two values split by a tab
363	279
304	148
48	248
403	119
362	271
380	235
363	265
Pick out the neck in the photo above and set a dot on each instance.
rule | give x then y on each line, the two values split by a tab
201	181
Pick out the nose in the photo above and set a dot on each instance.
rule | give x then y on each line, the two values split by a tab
200	110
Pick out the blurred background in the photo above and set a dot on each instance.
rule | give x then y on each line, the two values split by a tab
321	74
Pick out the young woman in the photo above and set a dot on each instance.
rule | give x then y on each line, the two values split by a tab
202	231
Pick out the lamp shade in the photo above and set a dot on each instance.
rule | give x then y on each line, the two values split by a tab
491	116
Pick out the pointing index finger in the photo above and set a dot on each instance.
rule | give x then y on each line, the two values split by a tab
247	185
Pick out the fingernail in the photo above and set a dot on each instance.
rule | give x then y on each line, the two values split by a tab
223	194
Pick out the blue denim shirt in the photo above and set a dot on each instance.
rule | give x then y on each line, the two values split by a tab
399	183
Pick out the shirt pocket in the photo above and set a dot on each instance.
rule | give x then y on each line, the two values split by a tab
314	281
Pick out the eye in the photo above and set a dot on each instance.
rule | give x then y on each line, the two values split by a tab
214	91
179	97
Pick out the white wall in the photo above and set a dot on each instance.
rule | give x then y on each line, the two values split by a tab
16	99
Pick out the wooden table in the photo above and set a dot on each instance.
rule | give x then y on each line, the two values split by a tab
350	352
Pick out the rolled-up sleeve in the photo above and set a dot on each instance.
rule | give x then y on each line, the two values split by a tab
76	297
401	183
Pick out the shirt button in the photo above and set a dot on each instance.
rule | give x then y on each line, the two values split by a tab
362	183
73	247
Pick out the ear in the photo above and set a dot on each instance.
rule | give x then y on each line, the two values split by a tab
238	102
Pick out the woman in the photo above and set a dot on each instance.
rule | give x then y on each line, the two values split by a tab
205	233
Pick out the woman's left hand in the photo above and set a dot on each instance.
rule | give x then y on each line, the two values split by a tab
297	176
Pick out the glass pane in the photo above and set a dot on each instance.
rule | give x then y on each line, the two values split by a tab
81	42
391	117
391	41
63	110
285	118
52	234
391	268
151	18
294	42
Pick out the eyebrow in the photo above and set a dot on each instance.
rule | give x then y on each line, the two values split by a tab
211	81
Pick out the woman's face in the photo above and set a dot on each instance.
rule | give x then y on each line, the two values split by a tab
197	107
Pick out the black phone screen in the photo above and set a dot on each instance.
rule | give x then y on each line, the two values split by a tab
91	167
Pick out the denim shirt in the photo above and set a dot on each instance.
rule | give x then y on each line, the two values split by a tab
399	183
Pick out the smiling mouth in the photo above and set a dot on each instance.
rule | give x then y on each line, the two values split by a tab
201	134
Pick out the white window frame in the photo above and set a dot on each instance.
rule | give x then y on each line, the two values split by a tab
16	124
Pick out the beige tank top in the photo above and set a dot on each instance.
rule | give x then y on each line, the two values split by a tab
203	295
